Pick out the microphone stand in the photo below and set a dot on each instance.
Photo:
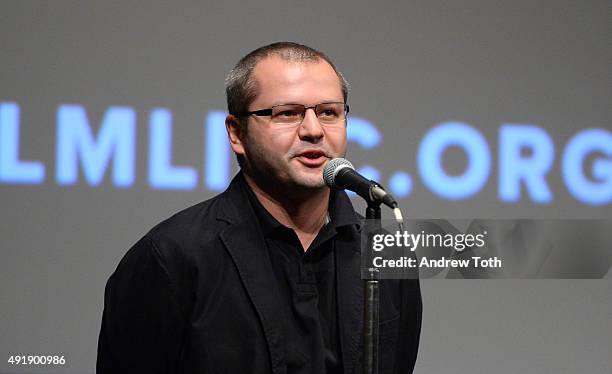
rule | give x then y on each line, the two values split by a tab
371	294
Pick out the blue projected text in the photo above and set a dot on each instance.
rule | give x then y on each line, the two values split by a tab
526	156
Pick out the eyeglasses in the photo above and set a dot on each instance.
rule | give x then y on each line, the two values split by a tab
328	114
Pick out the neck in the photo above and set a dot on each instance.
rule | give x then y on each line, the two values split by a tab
304	212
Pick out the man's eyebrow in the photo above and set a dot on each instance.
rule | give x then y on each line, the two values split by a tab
324	101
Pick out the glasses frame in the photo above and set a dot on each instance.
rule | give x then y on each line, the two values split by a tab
268	111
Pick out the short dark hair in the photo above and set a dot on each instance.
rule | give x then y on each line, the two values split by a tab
241	88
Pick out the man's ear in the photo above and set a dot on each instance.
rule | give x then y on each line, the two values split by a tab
235	134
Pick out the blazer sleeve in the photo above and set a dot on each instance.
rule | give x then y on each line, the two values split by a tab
141	323
410	326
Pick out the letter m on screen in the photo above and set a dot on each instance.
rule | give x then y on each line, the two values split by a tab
76	144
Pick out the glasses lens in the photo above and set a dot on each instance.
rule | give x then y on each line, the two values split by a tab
293	114
330	113
288	114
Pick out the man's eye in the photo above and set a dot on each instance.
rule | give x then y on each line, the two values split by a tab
328	113
287	113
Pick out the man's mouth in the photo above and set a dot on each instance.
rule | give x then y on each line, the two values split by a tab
312	154
312	158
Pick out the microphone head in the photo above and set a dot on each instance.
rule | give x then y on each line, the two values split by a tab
332	168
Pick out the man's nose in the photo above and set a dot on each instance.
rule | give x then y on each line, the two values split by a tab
311	128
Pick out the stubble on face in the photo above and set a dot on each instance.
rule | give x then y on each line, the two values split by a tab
279	170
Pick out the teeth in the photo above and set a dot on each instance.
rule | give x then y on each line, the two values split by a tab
312	155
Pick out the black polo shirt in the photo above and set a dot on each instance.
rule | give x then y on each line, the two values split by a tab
307	284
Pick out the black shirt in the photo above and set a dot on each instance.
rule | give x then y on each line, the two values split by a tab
307	283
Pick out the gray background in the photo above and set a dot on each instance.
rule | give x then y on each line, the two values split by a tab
411	65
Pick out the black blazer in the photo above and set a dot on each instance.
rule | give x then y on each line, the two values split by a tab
197	295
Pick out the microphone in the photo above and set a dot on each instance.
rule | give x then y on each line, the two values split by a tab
340	174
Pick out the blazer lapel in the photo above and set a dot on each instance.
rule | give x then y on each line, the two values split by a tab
247	247
350	301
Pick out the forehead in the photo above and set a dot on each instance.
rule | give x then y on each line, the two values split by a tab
301	82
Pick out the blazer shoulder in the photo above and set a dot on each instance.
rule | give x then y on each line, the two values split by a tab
189	231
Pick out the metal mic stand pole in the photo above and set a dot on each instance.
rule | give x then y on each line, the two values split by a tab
371	294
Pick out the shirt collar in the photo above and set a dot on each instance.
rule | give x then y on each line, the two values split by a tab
340	212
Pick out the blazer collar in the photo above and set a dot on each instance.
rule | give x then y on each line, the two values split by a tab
235	197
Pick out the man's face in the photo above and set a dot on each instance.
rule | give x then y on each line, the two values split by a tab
292	155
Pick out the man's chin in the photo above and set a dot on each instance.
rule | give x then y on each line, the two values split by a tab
309	181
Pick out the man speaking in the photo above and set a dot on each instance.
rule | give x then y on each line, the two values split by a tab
265	277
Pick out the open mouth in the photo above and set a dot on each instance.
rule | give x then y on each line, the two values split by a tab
312	158
313	155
